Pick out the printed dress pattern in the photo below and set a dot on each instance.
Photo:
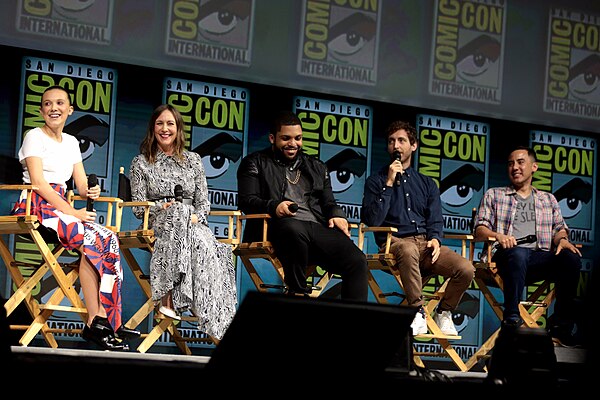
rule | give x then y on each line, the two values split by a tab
187	260
101	246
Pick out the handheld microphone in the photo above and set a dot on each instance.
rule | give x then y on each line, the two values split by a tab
398	180
293	207
179	193
527	239
522	240
92	181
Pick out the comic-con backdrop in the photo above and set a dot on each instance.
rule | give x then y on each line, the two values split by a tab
227	117
226	120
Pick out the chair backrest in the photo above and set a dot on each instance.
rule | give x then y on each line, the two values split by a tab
124	190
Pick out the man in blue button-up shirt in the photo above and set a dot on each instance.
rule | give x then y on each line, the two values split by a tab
401	197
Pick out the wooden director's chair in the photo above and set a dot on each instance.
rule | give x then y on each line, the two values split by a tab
386	261
531	309
142	239
41	277
250	251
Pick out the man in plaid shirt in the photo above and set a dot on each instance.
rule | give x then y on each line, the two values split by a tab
521	211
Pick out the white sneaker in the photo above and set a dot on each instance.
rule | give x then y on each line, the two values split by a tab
419	325
444	321
168	312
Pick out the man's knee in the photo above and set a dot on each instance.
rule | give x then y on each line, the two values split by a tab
358	260
405	251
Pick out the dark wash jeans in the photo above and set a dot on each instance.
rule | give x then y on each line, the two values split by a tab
520	266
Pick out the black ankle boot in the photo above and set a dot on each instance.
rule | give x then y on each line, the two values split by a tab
125	333
101	333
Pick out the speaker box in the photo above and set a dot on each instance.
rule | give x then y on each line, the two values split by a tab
5	342
283	336
522	356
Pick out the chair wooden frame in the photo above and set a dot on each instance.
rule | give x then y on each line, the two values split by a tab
144	239
263	249
386	261
486	275
25	286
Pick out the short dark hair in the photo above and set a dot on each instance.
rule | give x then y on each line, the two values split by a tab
56	87
411	131
529	150
283	118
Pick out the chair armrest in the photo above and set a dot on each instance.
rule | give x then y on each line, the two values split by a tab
111	201
352	226
459	236
243	217
101	199
388	229
20	187
24	186
233	234
364	229
464	238
489	241
123	204
253	216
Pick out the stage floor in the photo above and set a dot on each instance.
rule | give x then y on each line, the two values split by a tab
64	363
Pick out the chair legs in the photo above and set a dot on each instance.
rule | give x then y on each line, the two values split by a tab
163	323
26	286
530	311
435	332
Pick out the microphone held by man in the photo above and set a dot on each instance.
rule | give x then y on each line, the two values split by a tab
293	207
92	181
398	179
522	240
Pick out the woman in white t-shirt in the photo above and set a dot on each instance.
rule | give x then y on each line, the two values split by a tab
50	157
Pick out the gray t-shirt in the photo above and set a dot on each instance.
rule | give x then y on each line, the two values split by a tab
524	222
297	187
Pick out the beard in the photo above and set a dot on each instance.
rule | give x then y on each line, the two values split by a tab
280	155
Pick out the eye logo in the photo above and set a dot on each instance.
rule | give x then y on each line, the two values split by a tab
91	132
476	59
344	167
466	311
350	36
220	20
458	187
572	195
584	80
218	153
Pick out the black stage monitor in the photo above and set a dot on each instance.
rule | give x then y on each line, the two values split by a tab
278	335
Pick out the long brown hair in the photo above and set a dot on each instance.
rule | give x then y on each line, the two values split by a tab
149	145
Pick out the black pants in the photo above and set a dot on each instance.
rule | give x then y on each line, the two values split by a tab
301	243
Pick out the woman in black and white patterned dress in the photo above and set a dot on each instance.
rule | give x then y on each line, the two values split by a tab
189	269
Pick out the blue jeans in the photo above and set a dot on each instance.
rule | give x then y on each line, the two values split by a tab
520	266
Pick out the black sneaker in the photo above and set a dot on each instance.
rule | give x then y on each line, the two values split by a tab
565	340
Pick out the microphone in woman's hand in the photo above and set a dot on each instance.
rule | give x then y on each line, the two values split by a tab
92	181
293	207
178	193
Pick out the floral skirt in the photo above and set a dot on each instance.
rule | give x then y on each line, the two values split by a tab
100	246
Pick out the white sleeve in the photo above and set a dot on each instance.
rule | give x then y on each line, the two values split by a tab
33	145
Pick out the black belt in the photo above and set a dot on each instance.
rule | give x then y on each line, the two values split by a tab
187	201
